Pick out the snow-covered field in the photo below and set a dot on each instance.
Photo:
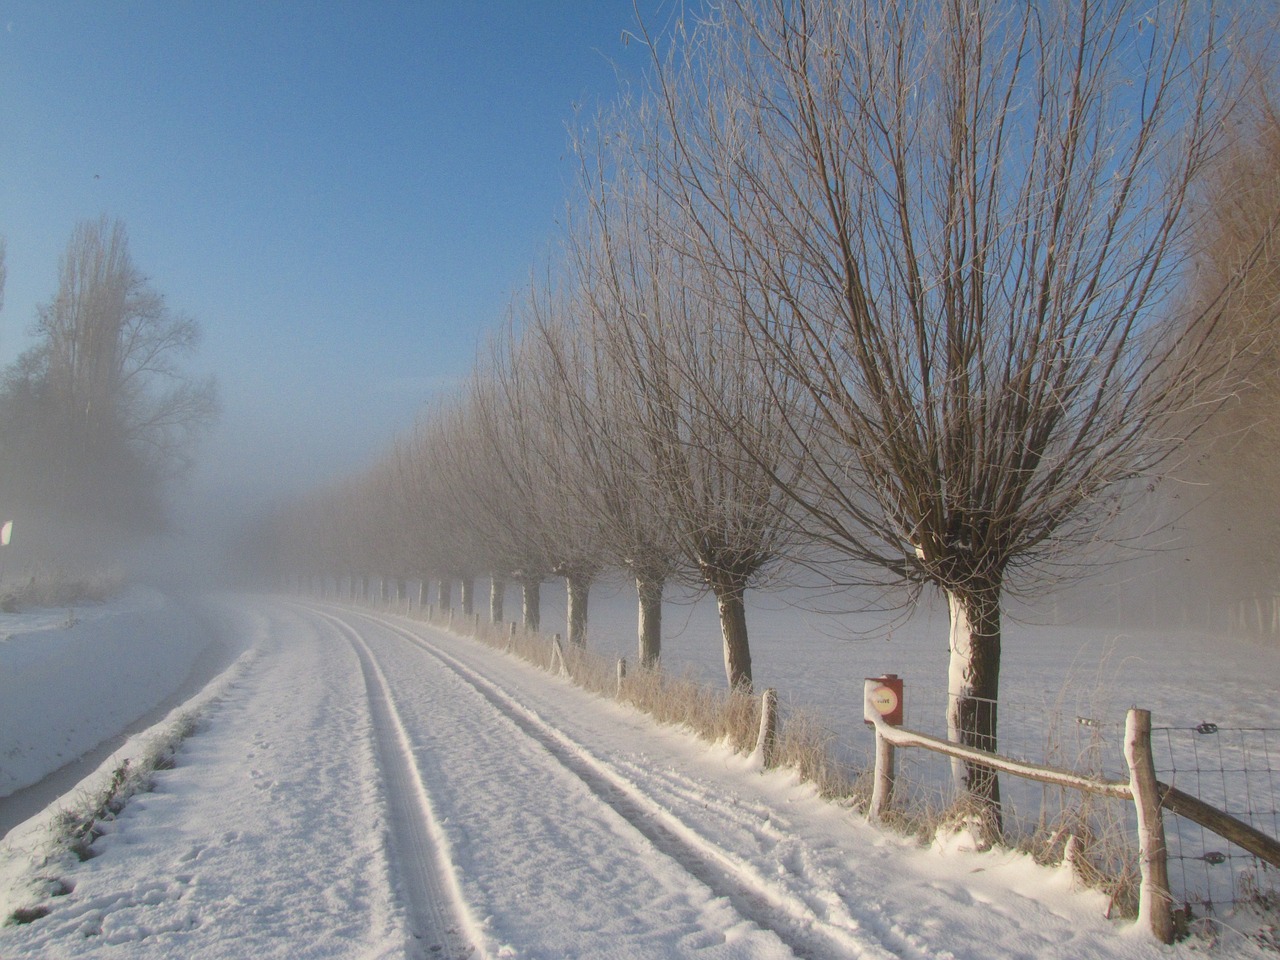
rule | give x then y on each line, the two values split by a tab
360	785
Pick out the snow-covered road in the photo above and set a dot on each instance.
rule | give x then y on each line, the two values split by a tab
365	786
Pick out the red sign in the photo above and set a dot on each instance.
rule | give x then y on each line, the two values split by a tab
884	696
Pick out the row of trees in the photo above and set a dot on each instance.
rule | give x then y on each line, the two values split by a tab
894	295
99	415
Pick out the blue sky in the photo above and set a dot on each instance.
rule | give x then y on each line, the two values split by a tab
345	195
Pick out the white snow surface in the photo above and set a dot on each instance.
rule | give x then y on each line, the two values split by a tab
71	678
362	785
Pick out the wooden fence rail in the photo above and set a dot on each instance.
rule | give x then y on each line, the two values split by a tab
1230	828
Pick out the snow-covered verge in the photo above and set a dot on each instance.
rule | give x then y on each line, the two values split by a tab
555	824
36	853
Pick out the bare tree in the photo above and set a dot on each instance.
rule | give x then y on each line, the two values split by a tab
544	386
966	220
435	529
686	391
101	409
451	462
495	465
609	472
604	465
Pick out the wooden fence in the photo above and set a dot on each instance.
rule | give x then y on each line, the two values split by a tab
1150	798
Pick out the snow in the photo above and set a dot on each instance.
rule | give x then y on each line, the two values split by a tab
361	785
71	677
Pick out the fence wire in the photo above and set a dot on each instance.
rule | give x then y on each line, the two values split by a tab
1236	770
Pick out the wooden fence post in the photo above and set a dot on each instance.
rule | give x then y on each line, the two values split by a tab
557	655
1154	901
767	741
882	788
882	784
622	673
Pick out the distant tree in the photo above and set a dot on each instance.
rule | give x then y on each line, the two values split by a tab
544	460
100	413
1234	523
965	220
433	525
490	465
445	464
610	473
699	409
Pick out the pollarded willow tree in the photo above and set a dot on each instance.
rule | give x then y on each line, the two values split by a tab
609	471
968	219
479	452
522	473
546	388
700	412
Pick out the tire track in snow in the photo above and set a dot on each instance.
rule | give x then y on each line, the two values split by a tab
438	918
751	895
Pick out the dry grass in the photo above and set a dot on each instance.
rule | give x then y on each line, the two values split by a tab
807	745
76	827
731	717
1091	833
719	716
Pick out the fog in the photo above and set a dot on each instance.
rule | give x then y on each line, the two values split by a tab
345	206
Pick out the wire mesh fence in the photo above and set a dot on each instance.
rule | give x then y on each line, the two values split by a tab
1236	770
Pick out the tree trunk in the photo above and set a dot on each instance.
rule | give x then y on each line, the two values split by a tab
649	623
444	599
729	591
532	595
467	587
577	588
497	588
974	689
